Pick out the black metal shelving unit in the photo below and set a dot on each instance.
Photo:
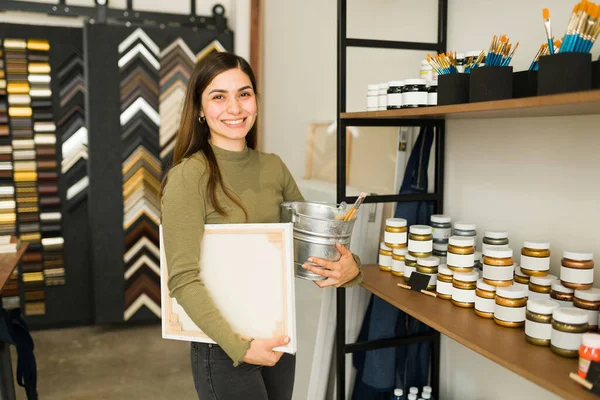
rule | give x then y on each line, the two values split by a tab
343	42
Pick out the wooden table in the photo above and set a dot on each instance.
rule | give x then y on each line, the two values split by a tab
505	346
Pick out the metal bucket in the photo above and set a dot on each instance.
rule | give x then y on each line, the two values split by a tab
316	231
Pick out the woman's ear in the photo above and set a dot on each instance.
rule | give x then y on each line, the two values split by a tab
201	113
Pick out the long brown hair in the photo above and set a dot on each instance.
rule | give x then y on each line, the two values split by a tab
193	135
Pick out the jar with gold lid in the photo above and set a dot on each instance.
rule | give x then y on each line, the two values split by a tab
485	299
461	254
498	267
442	228
410	265
568	327
520	279
385	257
494	240
577	270
562	294
535	258
440	250
464	285
395	235
420	241
429	266
398	261
589	301
509	310
538	324
541	286
444	282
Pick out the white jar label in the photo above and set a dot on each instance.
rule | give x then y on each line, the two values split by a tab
484	305
444	288
538	296
522	286
417	246
566	341
372	101
563	303
441	233
395	237
461	260
432	99
538	330
535	263
408	271
398	266
382	101
394	99
414	98
385	261
498	273
578	276
509	314
463	295
592	316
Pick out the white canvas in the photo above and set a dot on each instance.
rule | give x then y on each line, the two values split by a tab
248	270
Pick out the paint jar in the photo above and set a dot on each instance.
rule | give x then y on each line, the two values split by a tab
535	258
494	240
372	97
538	324
385	257
420	241
410	265
541	286
398	261
509	310
426	71
395	235
382	97
588	351
498	267
478	260
432	91
562	294
464	285
577	270
460	62
429	266
520	279
440	250
485	299
414	93
444	282
568	327
465	229
394	95
589	301
442	228
461	254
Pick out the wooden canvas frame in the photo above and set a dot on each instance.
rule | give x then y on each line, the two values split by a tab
229	264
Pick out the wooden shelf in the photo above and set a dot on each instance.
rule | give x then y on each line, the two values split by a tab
505	346
8	263
576	103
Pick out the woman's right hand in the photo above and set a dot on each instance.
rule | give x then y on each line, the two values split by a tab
261	351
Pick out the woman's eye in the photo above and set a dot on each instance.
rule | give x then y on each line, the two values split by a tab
218	97
245	94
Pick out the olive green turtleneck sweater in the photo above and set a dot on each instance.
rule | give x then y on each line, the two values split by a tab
261	181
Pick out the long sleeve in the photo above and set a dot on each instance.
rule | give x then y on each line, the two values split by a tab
183	219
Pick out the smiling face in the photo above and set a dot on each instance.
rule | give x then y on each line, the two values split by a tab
229	106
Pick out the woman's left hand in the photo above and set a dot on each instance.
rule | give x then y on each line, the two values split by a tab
337	272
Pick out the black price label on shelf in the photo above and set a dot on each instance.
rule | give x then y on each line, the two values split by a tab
593	376
418	281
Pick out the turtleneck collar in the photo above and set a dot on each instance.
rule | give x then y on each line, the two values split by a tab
228	155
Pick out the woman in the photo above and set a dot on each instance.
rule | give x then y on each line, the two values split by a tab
217	177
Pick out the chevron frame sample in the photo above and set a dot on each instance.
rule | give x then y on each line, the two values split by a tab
139	76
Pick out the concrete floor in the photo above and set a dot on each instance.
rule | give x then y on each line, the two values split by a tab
110	363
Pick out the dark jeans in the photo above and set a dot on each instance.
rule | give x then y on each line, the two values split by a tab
215	377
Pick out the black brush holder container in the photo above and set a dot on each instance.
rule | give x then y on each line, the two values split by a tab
453	89
565	72
491	83
525	84
596	75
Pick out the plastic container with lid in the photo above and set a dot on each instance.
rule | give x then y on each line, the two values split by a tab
460	62
372	97
412	396
538	324
535	258
495	240
465	229
394	95
588	351
485	300
426	396
463	289
414	93
413	390
589	301
398	261
382	96
568	327
420	241
509	310
461	253
440	250
562	294
385	257
541	286
577	270
520	279
429	266
426	71
395	235
410	265
442	228
444	282
432	92
398	393
498	267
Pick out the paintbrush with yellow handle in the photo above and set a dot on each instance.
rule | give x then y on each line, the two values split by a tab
348	215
